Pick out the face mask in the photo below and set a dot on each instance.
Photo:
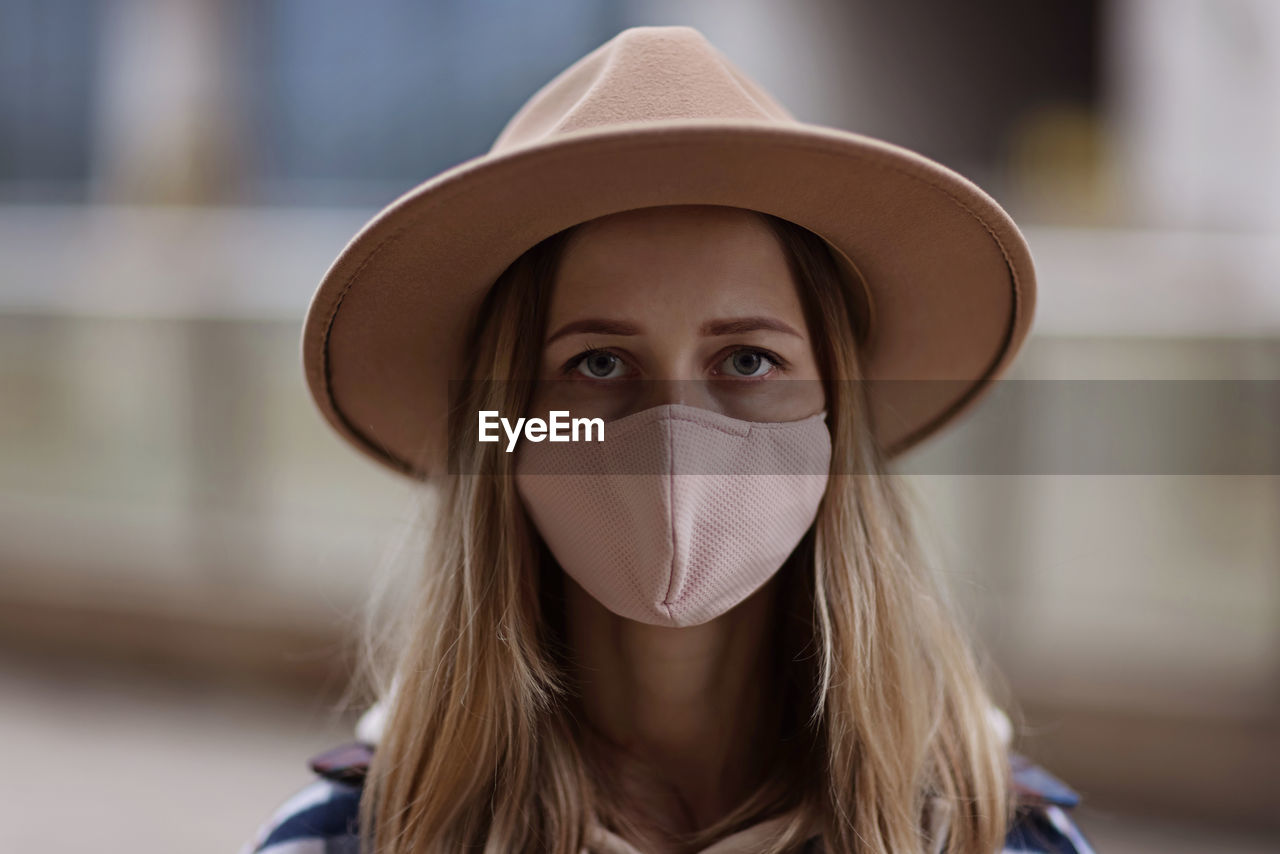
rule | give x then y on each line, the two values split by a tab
680	513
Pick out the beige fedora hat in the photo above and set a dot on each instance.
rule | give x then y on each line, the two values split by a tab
658	116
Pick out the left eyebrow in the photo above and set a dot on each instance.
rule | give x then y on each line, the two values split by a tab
739	325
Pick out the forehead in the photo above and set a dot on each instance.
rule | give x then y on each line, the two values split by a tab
685	254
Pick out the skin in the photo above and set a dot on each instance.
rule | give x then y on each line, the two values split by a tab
695	701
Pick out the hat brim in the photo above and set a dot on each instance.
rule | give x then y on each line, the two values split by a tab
949	276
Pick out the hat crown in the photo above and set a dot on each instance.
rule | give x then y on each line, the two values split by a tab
643	74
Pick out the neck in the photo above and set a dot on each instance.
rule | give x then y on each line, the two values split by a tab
693	707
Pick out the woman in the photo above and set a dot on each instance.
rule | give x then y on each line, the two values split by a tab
703	659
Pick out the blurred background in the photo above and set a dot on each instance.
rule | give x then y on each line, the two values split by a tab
185	545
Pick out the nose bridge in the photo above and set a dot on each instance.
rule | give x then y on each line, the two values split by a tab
674	359
668	389
677	388
671	369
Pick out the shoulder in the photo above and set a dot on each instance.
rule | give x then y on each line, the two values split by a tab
323	816
1043	823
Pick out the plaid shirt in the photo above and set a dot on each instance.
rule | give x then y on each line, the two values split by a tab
321	818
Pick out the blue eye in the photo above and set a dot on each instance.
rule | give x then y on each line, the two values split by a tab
598	364
750	362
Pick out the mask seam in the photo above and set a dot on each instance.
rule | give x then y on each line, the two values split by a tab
750	425
669	417
671	523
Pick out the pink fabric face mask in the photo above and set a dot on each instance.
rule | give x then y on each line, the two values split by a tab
680	513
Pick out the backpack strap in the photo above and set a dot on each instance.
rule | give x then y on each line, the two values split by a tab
347	763
1033	784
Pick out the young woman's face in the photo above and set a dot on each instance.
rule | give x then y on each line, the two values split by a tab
681	304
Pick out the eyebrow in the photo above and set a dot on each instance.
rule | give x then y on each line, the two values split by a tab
730	326
736	325
597	325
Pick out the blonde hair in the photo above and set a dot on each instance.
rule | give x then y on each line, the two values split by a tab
482	747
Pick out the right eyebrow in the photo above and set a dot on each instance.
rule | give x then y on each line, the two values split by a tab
599	325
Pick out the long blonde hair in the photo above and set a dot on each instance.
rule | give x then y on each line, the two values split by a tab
886	710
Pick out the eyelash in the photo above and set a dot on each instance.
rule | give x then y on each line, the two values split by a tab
778	363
